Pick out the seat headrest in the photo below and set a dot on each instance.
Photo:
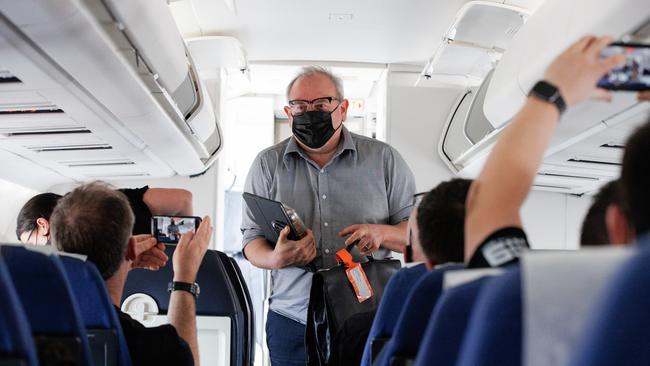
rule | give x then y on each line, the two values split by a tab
560	289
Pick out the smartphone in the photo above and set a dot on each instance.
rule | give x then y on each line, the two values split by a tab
168	229
634	74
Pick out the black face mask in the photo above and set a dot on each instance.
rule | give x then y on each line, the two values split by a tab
314	128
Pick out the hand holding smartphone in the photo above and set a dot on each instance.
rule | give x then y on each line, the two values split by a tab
168	229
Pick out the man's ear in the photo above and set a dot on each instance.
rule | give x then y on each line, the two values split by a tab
429	264
619	229
130	249
287	111
344	109
43	226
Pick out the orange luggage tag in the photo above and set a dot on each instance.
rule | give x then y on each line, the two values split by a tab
356	275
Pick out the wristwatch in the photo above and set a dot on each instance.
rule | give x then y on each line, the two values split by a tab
192	288
549	93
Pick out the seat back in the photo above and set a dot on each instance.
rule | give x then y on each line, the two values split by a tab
107	343
448	323
494	333
619	328
48	301
397	289
412	320
224	311
560	289
16	344
246	302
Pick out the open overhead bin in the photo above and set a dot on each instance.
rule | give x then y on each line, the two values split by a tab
475	41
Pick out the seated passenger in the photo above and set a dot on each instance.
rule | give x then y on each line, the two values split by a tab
494	235
442	207
594	227
32	225
96	221
440	226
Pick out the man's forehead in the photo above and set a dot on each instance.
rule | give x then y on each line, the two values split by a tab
312	86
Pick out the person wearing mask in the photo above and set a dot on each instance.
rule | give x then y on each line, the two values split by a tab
347	188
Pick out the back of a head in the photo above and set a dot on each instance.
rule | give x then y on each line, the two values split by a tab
441	221
40	205
594	228
96	221
635	180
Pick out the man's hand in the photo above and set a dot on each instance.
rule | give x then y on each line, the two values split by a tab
369	237
577	70
146	252
293	253
190	251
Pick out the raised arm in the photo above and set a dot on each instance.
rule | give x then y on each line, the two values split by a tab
497	195
169	201
182	305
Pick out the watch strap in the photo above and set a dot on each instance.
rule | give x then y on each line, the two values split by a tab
192	288
550	93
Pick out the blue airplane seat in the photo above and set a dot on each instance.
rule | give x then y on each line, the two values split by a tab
48	301
107	343
413	318
397	289
494	334
446	327
223	294
245	298
16	343
619	331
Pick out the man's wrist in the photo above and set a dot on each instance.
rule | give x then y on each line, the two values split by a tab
184	277
549	93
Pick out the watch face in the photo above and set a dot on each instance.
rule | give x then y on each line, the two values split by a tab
545	89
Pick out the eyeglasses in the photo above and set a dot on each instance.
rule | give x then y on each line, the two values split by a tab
325	104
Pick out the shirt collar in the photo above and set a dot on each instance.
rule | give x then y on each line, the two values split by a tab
346	144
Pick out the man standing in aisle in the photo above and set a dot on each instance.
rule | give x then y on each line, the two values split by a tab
347	188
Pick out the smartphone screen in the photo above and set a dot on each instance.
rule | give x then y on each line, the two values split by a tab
168	229
634	74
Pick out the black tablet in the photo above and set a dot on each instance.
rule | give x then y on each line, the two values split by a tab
271	216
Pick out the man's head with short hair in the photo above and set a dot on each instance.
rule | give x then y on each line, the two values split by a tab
635	181
594	228
310	71
39	206
441	221
96	221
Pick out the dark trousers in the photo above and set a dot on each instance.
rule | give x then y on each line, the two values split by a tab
286	341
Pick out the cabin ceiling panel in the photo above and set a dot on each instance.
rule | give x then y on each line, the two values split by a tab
382	31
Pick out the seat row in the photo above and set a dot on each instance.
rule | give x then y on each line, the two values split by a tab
55	309
584	307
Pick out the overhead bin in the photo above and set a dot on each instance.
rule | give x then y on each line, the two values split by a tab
474	42
553	27
586	150
118	70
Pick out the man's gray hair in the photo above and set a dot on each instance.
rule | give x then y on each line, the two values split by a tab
315	70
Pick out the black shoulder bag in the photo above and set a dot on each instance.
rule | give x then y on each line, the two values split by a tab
334	298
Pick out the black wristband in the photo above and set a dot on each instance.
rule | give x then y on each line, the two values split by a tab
192	288
549	93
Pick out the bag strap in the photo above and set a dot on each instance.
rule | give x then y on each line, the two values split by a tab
344	256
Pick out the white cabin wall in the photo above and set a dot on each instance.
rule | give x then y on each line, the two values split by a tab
14	197
415	119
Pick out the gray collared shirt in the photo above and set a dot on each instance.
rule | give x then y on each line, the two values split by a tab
366	182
